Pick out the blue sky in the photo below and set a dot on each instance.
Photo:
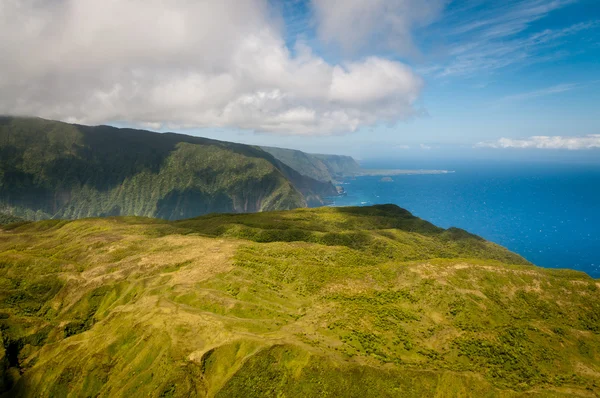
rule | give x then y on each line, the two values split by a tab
492	69
378	78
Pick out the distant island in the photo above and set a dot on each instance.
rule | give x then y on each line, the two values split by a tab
387	179
397	172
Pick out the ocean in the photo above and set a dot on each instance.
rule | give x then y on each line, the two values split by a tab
549	214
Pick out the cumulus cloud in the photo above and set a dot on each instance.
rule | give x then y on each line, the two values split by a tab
546	142
356	24
186	63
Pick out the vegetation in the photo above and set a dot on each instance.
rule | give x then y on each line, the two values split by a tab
310	302
9	219
57	170
339	166
319	167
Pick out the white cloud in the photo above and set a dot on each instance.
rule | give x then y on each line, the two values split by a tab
557	89
503	34
357	24
425	147
186	63
546	142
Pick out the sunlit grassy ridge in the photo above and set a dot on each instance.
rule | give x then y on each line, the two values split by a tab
346	302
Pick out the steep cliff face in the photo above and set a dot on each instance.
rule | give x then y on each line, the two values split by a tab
319	167
339	166
302	162
57	170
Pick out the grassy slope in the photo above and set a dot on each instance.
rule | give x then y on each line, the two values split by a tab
346	302
58	170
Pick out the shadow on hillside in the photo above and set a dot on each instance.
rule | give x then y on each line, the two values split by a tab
45	164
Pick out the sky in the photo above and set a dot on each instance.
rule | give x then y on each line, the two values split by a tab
372	79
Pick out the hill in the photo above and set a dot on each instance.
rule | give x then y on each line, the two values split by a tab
360	302
319	167
57	170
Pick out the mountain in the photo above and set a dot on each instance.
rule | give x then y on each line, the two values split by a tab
319	167
340	166
357	302
51	169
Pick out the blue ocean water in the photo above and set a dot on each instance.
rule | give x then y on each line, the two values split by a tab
550	214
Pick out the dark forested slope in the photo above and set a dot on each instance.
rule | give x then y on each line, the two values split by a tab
57	170
8	219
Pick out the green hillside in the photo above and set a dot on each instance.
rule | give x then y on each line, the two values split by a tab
345	302
339	166
57	170
319	167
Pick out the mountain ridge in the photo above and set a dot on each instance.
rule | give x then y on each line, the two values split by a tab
52	169
317	166
330	301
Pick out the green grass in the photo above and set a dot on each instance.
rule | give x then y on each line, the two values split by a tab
386	231
322	302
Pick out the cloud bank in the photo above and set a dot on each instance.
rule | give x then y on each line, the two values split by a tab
388	24
546	142
185	63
